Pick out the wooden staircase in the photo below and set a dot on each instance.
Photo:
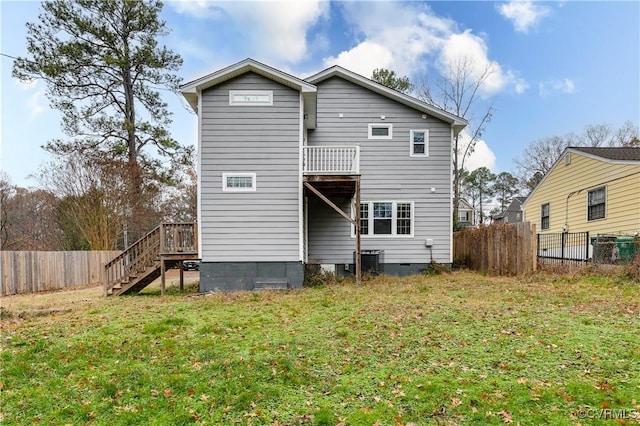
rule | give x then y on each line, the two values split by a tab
145	260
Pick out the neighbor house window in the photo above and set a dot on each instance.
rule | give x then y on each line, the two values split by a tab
386	218
238	182
381	131
544	216
419	140
596	200
463	216
251	97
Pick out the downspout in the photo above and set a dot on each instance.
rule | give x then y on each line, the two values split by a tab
565	228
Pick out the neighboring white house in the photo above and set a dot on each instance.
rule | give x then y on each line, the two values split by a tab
283	160
466	214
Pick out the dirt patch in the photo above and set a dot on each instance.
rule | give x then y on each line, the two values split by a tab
68	299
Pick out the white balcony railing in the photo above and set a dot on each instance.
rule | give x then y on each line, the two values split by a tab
331	160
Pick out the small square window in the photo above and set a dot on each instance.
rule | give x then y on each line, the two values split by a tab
381	131
419	140
238	182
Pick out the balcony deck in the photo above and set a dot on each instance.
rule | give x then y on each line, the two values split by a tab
334	170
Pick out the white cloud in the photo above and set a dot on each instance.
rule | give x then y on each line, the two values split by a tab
469	50
363	58
408	37
482	155
35	103
277	30
565	85
524	14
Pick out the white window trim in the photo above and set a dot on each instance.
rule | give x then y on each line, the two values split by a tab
234	101
387	125
604	187
426	143
394	220
225	188
549	216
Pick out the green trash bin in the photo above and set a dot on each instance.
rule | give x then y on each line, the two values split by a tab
626	248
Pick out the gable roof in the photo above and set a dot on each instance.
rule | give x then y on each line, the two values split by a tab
456	122
464	204
514	206
612	155
192	89
616	154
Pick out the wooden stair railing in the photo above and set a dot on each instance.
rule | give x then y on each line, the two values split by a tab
137	266
136	259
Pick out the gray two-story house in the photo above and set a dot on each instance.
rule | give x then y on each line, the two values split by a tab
284	162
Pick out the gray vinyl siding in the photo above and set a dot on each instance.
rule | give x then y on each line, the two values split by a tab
388	172
260	226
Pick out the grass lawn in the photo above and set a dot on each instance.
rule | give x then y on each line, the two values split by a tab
457	348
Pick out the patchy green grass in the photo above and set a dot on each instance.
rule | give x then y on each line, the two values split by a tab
451	349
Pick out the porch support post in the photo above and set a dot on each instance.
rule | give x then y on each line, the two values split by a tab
181	277
354	221
162	276
358	264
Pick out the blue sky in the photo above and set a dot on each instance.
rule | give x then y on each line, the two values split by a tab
559	65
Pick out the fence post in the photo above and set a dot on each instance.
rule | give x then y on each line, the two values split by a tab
562	243
586	248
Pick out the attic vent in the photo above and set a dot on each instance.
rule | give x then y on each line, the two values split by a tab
567	159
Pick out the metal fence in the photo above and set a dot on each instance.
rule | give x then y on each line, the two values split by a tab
579	248
564	248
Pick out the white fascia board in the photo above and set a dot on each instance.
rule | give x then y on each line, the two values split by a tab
192	89
457	123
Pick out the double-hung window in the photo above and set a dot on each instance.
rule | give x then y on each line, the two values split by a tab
419	140
544	216
386	218
596	203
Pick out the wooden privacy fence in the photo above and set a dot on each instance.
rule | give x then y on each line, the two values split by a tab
36	271
501	249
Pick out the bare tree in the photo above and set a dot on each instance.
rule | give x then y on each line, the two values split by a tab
93	195
29	219
181	202
6	190
540	155
458	91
